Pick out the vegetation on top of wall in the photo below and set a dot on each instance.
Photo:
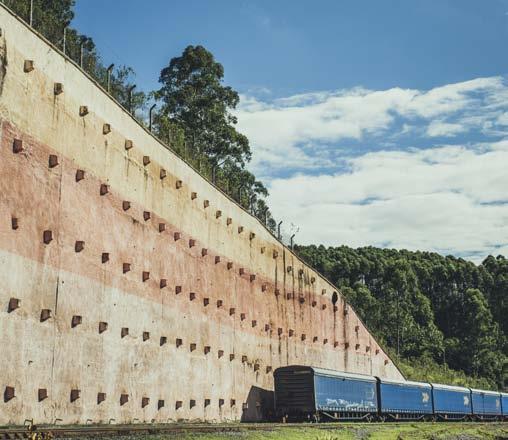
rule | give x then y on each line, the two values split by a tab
52	19
194	116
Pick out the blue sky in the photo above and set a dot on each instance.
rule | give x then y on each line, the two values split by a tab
372	122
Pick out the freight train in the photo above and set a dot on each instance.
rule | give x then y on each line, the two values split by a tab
317	394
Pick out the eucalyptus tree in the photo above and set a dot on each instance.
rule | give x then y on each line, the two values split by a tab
195	99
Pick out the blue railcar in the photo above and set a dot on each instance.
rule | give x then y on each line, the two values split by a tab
349	395
405	399
451	402
504	405
308	393
486	404
317	393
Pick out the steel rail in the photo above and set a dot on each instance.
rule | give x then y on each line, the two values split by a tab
44	432
47	432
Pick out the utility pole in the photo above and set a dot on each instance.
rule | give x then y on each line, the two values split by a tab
31	13
109	71
150	117
64	39
214	168
293	236
240	194
251	203
129	91
81	53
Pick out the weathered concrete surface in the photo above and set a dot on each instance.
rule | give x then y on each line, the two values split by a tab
230	307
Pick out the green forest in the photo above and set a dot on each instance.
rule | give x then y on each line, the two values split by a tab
443	318
433	313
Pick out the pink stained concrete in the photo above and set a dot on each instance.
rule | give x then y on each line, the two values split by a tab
54	355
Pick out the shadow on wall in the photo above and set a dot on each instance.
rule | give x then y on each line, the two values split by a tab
259	406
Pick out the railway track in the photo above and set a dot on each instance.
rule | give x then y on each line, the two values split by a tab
98	431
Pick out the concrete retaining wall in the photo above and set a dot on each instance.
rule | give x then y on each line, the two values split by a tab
132	289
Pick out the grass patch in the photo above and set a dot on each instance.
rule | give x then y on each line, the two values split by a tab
355	431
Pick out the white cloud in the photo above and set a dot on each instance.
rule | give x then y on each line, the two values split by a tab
276	129
298	131
452	97
449	199
335	166
440	128
503	119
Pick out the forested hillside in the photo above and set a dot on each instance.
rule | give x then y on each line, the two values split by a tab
435	311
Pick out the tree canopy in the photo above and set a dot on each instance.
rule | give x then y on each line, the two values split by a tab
195	99
426	306
52	19
195	112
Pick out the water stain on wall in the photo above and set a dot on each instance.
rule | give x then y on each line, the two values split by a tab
3	61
